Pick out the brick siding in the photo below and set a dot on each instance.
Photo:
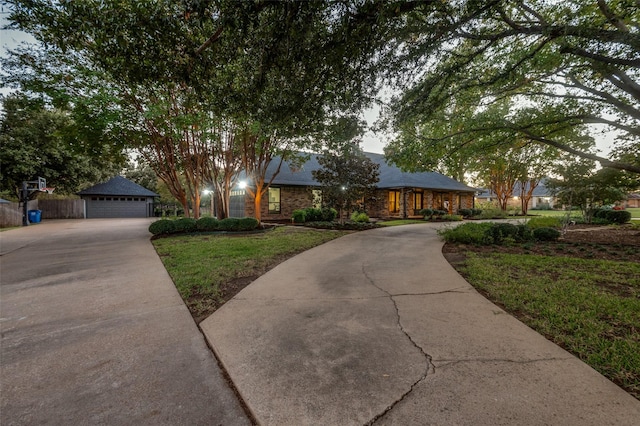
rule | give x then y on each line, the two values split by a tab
298	197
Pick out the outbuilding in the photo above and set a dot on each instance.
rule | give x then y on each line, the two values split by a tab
118	197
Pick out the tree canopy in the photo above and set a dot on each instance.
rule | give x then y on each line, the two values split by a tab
561	65
346	176
36	141
176	69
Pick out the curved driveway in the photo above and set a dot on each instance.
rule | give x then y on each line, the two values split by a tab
94	332
377	328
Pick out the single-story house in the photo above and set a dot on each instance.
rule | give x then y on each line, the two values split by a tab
118	197
541	197
398	194
633	200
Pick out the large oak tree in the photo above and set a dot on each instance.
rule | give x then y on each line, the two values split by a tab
560	64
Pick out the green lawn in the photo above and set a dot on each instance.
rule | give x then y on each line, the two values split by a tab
555	213
635	213
399	222
204	266
589	307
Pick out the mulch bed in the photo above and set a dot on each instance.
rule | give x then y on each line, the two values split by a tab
621	243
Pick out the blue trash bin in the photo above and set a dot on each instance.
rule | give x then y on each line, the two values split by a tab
35	216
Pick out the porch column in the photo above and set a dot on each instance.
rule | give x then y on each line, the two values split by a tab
451	199
404	203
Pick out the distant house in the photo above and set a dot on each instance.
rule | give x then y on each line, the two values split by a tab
398	194
542	197
118	197
633	200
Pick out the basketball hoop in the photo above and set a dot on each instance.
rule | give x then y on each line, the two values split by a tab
47	190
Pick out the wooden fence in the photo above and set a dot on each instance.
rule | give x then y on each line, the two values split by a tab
62	209
11	213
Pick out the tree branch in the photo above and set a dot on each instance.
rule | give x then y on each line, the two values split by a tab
215	36
613	19
624	83
597	57
635	113
604	162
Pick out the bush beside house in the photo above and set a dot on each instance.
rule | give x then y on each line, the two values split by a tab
204	224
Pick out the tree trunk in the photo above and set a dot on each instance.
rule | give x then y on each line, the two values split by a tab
257	199
196	205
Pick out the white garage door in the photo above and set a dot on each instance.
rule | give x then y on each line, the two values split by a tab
116	207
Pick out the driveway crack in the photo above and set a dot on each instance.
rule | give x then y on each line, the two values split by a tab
442	363
430	367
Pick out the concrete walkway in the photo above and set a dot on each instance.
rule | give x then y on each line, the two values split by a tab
377	328
94	332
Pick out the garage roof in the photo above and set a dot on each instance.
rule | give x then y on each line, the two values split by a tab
119	186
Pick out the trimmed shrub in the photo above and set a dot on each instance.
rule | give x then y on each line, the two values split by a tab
299	216
185	224
229	224
163	226
618	216
439	212
468	233
248	224
427	213
360	217
546	234
329	214
601	213
501	232
492	214
524	233
312	214
466	212
207	224
347	226
544	222
452	217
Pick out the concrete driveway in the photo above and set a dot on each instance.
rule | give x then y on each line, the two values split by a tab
377	328
94	332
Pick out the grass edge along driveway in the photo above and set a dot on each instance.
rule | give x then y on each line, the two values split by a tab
588	307
209	269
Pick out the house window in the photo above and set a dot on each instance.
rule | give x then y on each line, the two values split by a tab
394	201
417	201
274	200
316	198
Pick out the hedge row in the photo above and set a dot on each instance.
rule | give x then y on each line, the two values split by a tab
613	216
429	213
346	226
204	224
470	212
312	214
497	233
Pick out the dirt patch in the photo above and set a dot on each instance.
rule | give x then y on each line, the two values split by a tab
621	243
202	306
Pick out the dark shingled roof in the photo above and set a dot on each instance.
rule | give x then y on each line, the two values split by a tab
119	186
390	176
539	191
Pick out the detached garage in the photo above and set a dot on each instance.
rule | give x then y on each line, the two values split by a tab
118	197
